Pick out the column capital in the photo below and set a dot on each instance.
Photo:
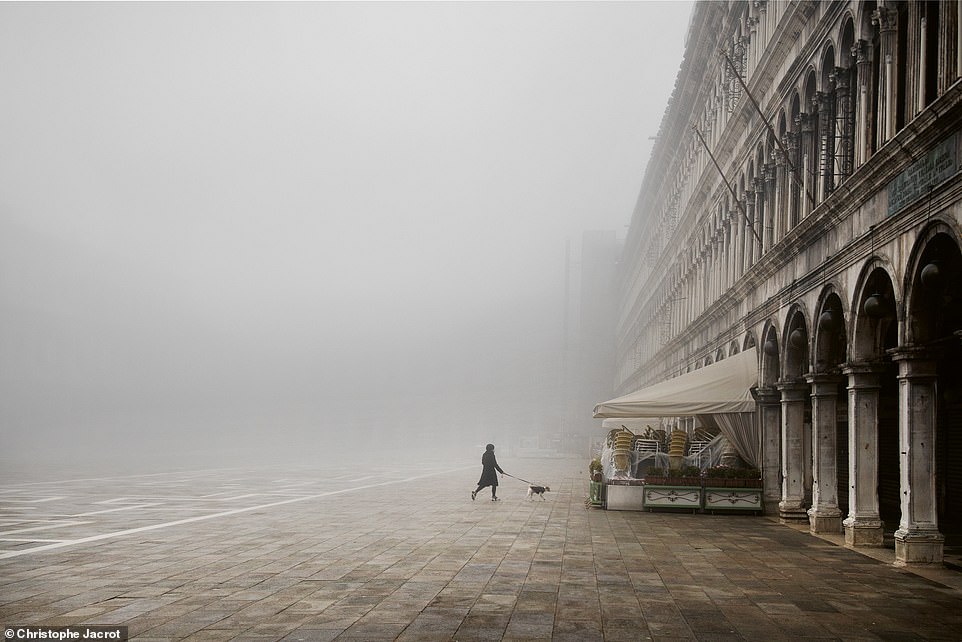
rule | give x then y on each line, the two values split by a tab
886	19
792	390
911	353
860	52
770	169
915	362
824	384
863	376
839	76
863	367
768	396
823	100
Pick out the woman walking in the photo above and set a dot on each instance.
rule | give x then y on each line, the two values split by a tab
489	473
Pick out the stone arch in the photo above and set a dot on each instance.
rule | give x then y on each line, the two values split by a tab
933	291
846	39
873	377
863	18
733	348
770	372
809	87
846	101
874	324
793	137
825	145
810	137
826	65
928	360
749	341
795	350
831	345
830	446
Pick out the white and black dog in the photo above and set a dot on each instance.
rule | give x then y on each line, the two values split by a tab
537	490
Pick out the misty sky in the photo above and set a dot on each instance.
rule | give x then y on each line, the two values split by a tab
259	223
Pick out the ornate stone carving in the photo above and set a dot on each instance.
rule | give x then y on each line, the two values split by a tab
860	52
885	19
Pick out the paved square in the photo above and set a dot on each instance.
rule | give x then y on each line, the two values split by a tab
392	552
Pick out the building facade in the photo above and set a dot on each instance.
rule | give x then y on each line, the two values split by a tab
804	198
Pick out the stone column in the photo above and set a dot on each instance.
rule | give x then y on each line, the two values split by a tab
771	209
740	247
782	190
843	122
770	418
958	40
918	540
887	21
762	41
863	92
806	125
758	185
726	253
863	526
792	505
825	161
824	516
749	205
793	184
732	248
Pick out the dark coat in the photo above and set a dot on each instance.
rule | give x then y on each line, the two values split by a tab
490	464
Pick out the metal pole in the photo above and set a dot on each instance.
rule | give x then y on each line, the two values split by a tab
778	141
741	206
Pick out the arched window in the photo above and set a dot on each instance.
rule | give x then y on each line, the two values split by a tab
902	96
826	125
809	144
871	54
930	31
795	159
845	80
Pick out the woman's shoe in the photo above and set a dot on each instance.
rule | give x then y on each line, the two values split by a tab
495	499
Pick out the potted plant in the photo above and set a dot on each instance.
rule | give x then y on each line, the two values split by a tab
594	470
686	476
673	488
731	488
596	485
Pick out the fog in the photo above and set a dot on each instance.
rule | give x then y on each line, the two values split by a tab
300	230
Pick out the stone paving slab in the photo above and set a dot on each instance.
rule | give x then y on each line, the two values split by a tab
305	554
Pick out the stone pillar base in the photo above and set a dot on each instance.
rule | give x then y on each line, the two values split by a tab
791	512
918	548
863	532
824	521
770	506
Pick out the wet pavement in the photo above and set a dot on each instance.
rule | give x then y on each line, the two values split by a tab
404	553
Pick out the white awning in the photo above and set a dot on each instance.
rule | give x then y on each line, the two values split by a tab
722	387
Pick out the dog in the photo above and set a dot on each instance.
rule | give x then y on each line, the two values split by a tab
537	490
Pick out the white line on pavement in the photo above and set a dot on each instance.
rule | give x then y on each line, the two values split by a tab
188	520
45	527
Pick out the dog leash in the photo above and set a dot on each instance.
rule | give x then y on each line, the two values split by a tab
521	480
